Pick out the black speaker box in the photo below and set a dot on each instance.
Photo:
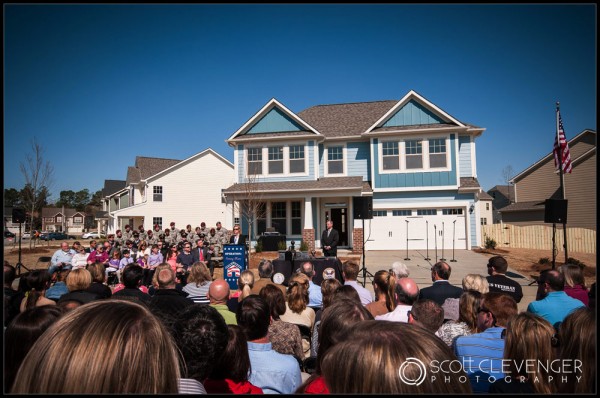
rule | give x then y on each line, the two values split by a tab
18	216
555	211
363	207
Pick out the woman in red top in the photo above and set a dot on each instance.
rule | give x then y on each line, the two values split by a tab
230	375
171	257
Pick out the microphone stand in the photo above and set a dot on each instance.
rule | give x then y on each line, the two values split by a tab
407	259
443	238
427	235
453	237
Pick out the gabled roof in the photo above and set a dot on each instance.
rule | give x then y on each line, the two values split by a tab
550	156
112	186
484	196
534	205
469	184
503	189
53	211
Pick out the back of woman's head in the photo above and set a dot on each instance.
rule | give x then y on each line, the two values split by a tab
573	275
245	284
381	357
475	282
328	287
233	362
159	268
297	293
97	271
467	308
336	320
199	274
79	279
385	283
274	297
36	282
22	333
577	336
108	346
529	338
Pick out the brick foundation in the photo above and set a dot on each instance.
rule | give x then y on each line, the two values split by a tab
357	240
308	236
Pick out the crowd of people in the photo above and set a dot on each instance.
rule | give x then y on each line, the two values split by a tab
67	331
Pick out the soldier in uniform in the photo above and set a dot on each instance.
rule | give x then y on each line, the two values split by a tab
128	234
214	242
195	236
222	233
203	229
142	233
168	237
189	232
120	240
174	231
157	230
151	239
181	237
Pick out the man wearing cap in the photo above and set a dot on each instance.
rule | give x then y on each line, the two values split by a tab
119	239
61	258
128	234
222	234
174	231
204	230
151	239
142	233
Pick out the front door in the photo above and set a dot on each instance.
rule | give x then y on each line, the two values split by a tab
340	222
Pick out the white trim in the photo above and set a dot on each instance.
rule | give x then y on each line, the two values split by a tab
316	160
344	172
412	94
286	160
371	149
473	157
424	154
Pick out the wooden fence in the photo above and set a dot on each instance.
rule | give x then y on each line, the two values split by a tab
580	240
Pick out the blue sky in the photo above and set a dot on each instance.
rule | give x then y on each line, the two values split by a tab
98	85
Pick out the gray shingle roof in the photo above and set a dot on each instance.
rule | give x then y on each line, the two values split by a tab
469	182
322	184
484	196
412	127
524	206
342	120
112	186
52	211
151	166
503	189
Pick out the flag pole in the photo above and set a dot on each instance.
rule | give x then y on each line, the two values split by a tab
561	174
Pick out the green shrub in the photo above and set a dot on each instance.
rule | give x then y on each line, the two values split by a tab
544	260
281	245
259	246
303	246
490	243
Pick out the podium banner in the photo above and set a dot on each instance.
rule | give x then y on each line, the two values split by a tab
234	262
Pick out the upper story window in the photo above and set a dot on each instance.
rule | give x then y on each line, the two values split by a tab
77	220
487	206
437	152
157	191
390	153
414	154
254	161
157	221
296	158
276	160
335	160
58	218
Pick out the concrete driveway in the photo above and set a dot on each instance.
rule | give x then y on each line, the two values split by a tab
466	262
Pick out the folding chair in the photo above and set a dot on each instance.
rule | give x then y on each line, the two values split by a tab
43	259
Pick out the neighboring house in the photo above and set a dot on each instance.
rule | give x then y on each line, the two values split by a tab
541	181
110	202
56	219
158	191
502	196
417	162
486	211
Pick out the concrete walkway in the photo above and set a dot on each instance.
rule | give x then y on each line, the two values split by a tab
467	262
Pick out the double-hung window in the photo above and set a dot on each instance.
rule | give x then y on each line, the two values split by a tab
275	160
157	192
414	154
390	153
254	161
335	160
296	158
437	152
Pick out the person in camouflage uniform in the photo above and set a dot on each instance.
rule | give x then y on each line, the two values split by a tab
214	243
181	237
128	233
168	237
222	233
174	231
120	240
195	237
151	239
189	232
204	230
142	233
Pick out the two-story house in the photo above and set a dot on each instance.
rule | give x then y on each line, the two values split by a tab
502	196
56	219
416	162
159	191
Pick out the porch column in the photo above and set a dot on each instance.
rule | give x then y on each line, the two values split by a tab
308	231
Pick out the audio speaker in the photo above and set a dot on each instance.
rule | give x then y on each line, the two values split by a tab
363	207
18	216
555	211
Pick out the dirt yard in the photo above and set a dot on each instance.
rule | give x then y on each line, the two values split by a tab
522	260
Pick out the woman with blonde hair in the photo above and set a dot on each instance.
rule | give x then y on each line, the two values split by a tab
104	347
384	285
78	282
245	284
466	324
528	340
381	357
575	283
577	341
98	277
198	282
475	282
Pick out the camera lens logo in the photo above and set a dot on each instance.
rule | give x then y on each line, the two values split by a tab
407	375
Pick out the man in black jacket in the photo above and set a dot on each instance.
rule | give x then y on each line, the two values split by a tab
167	302
329	240
441	288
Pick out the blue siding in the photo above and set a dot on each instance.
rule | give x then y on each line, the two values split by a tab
416	179
241	163
424	196
412	114
310	165
473	226
274	121
464	156
321	160
358	159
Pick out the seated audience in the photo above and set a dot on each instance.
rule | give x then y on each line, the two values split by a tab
22	333
78	281
245	283
482	352
328	288
427	314
441	288
499	282
297	310
59	288
12	297
348	292
265	273
577	342
467	318
285	337
167	301
201	335
475	282
384	285
127	347
36	283
400	270
132	280
315	298
218	293
79	259
273	372
350	274
230	376
198	283
552	303
98	278
528	340
406	293
376	353
575	282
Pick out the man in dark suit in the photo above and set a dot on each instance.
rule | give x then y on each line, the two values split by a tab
237	238
329	240
201	253
441	288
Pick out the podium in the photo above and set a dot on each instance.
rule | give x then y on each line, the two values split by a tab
234	263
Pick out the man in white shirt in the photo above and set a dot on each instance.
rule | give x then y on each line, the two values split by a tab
350	273
407	292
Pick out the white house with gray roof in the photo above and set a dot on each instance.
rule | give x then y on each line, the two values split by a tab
159	191
416	162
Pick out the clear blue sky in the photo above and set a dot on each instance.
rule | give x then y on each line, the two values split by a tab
98	85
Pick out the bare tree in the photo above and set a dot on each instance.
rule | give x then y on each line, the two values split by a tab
38	175
507	175
249	203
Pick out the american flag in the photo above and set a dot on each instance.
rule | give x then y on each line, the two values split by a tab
564	148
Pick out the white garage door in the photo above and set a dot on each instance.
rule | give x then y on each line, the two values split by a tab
394	229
